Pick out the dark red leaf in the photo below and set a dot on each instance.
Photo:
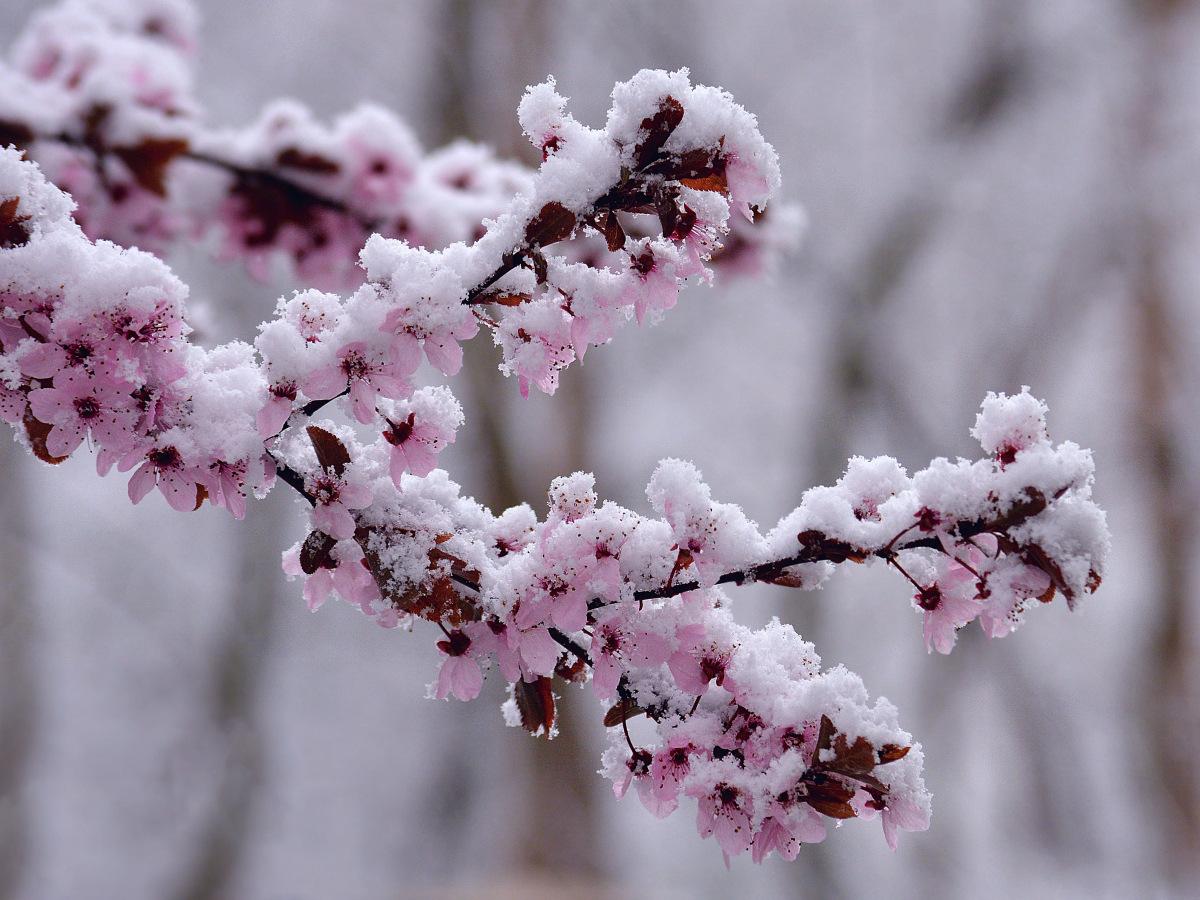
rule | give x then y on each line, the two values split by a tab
890	753
148	161
620	713
509	299
38	432
1031	503
785	578
294	158
554	223
831	799
94	122
535	703
571	669
13	232
667	211
852	760
687	221
824	736
815	545
656	129
714	181
314	552
682	561
331	452
540	269
16	133
609	225
1036	556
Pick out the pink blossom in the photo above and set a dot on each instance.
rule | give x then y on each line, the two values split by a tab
415	446
440	344
1010	590
460	673
226	486
12	404
671	765
655	804
344	570
368	373
536	651
164	467
48	359
635	767
616	647
335	497
724	811
377	177
747	184
774	835
78	404
902	814
324	250
949	604
653	289
693	671
278	408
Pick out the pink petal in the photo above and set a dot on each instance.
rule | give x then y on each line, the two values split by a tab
179	491
444	354
657	807
43	361
421	460
355	496
317	588
142	482
647	649
468	678
63	439
406	353
538	651
335	521
326	382
461	676
606	675
273	416
235	500
689	676
51	406
570	612
397	465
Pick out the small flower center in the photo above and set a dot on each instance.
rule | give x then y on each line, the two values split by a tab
163	457
355	366
87	407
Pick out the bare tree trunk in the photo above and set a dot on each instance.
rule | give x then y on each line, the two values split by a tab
239	662
18	688
491	50
1171	696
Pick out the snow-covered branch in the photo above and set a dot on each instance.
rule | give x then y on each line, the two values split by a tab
100	95
94	346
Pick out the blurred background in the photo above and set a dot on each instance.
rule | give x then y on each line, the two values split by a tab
1000	193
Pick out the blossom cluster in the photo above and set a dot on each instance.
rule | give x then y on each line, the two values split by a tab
94	348
745	722
95	338
100	94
